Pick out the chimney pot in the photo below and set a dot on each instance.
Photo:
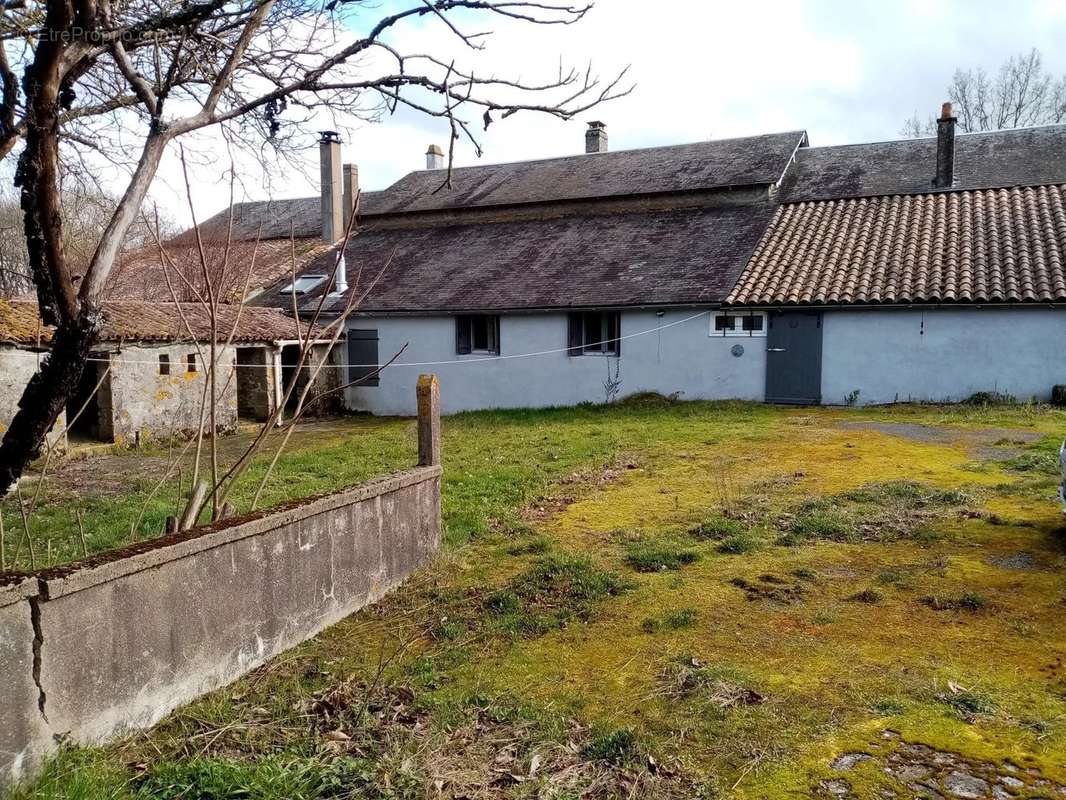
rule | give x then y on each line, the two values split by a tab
331	183
596	138
945	148
434	157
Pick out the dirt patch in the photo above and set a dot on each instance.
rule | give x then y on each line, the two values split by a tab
690	677
1024	561
912	769
488	753
579	484
771	589
115	472
997	444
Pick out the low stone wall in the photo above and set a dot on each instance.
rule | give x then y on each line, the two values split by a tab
114	643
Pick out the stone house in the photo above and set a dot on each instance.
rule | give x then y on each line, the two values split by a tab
147	377
757	268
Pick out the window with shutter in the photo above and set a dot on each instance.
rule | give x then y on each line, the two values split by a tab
595	333
363	356
477	333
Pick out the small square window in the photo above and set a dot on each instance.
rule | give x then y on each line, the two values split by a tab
477	333
595	333
752	323
164	364
190	363
738	323
725	323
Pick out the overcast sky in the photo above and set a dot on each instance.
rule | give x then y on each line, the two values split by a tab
843	70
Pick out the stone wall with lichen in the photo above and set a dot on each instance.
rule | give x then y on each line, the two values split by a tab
148	404
17	366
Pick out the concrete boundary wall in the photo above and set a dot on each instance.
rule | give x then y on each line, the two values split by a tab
112	644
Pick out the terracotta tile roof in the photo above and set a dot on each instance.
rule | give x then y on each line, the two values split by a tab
987	246
20	323
992	160
648	258
159	322
140	276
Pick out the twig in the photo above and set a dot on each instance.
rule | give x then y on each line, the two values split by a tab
81	534
26	530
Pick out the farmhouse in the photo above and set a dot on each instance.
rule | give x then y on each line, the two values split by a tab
756	268
147	375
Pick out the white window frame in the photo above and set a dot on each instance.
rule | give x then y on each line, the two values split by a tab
738	330
315	282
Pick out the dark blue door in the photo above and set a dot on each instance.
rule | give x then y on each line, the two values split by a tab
794	357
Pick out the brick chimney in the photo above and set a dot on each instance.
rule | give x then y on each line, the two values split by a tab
329	156
596	138
434	157
945	148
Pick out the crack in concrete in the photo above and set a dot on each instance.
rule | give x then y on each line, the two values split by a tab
38	643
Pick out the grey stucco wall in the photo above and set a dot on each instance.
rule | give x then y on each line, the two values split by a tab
22	728
942	354
682	358
125	638
17	366
148	404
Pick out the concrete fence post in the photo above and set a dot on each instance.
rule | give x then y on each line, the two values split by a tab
428	392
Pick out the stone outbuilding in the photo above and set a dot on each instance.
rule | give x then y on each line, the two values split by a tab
147	377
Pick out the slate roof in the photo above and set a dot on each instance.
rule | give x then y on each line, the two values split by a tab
751	160
300	217
159	323
999	159
984	246
652	258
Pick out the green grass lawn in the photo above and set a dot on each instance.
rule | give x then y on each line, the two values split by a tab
650	599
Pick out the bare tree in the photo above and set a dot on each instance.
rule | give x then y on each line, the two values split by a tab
144	73
1021	95
86	211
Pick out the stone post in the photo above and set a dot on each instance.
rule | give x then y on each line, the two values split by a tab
428	392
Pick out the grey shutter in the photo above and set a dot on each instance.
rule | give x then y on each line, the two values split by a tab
616	332
576	339
462	334
496	323
363	350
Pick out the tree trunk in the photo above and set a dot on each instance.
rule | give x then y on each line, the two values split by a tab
45	397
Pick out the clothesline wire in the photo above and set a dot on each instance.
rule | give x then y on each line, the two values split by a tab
474	360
